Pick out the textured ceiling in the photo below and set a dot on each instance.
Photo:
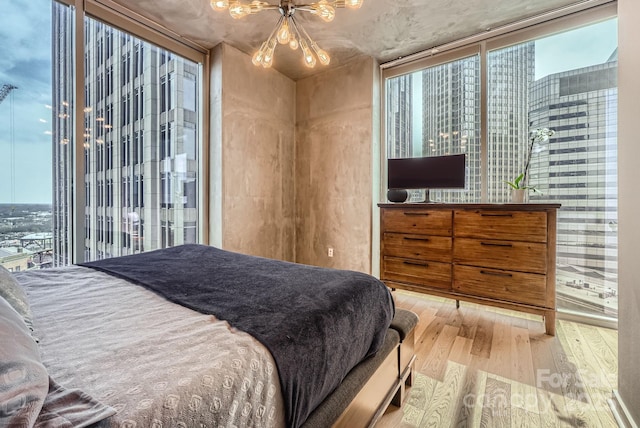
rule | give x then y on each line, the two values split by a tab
383	29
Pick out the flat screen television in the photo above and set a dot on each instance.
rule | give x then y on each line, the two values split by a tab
431	172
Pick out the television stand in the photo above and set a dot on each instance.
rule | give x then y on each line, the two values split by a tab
426	198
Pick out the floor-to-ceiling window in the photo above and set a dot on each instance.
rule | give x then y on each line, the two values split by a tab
563	79
30	105
101	143
142	119
566	82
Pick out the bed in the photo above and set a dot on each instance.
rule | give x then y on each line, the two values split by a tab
195	336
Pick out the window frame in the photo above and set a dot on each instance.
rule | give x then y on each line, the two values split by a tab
529	29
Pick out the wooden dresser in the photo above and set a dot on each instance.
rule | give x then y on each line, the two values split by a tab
496	254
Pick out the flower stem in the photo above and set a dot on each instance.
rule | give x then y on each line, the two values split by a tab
526	166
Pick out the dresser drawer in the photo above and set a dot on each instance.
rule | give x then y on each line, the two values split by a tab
511	255
424	247
528	288
417	221
501	225
430	274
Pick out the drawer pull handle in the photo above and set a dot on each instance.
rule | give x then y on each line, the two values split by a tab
416	264
494	244
486	272
496	215
415	239
416	214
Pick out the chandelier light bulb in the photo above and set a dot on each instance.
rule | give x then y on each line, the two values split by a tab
323	56
238	10
257	58
353	4
267	60
256	6
259	55
293	43
325	11
219	5
284	33
309	58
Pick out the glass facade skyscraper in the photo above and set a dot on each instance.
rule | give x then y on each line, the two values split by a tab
511	71
579	170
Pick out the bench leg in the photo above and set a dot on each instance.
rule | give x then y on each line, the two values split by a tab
406	379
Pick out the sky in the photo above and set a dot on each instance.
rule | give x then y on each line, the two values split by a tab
577	48
25	62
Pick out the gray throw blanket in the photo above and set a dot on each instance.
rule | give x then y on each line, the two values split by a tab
317	323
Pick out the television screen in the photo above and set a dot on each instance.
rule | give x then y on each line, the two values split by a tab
432	172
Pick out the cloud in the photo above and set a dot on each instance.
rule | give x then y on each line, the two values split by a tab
25	31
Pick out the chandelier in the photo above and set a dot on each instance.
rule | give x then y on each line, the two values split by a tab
287	30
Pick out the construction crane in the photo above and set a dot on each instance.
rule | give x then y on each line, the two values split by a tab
5	90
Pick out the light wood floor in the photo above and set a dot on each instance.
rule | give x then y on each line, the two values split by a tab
480	366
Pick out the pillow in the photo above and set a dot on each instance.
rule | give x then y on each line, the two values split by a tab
24	382
13	293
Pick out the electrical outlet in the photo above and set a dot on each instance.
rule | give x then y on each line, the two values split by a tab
330	252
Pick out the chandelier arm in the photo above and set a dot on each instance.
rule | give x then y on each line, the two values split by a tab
311	6
275	29
265	7
306	8
306	35
295	27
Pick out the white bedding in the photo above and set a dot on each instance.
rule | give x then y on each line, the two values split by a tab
157	363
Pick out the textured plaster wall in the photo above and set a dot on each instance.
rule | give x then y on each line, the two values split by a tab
334	133
629	206
252	157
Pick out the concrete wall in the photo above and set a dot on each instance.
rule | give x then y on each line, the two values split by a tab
252	157
334	151
629	206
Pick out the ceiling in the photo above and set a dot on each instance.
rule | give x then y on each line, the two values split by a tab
382	29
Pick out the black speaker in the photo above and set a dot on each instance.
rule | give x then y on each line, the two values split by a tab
397	195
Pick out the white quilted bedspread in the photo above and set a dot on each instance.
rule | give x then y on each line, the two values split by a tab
157	363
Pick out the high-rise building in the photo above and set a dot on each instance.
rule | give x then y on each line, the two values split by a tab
579	170
450	121
510	73
62	133
140	145
399	112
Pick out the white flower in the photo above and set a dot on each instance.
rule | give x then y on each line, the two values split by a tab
541	134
